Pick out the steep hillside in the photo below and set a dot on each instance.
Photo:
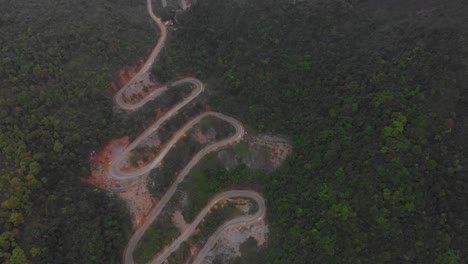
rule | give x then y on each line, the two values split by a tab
373	93
57	59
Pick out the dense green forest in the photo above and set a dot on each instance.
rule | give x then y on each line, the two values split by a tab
373	95
57	59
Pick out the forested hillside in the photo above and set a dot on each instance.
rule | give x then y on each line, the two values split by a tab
372	93
374	96
57	59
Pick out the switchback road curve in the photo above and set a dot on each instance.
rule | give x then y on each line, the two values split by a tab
118	174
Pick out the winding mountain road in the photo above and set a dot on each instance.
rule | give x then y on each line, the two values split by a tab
240	221
117	173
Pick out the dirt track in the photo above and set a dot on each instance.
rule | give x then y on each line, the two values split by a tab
118	174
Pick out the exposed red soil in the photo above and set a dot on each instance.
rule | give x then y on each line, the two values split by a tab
159	113
139	200
110	152
124	75
201	138
179	221
134	192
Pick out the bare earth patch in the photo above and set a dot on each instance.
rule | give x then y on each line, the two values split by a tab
139	199
228	245
124	76
278	148
265	152
243	205
179	221
134	192
201	138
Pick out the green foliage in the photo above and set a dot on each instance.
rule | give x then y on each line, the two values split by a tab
366	91
58	147
182	253
157	236
247	248
453	257
209	178
18	257
397	127
214	220
373	102
326	195
343	211
55	111
241	150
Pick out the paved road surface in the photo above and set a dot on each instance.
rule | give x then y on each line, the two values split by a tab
237	222
116	165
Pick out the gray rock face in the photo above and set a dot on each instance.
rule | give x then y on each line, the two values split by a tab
264	153
258	158
228	159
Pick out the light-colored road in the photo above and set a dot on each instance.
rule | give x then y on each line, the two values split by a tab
237	222
128	253
117	164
